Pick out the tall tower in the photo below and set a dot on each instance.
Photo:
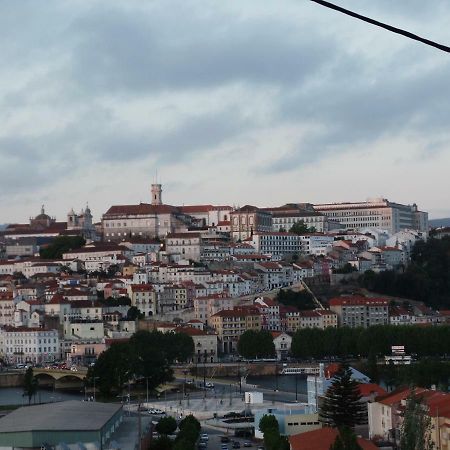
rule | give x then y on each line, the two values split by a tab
156	194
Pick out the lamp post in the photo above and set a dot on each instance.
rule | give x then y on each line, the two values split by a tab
95	378
296	390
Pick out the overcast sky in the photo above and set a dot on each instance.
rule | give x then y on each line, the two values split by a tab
233	102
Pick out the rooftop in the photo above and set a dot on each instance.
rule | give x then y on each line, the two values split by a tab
72	415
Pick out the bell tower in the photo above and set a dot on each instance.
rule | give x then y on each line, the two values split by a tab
156	194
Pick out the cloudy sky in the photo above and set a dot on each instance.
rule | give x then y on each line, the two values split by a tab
233	102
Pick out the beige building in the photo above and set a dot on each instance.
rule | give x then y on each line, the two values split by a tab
319	318
249	219
205	344
143	296
356	311
7	306
376	213
231	324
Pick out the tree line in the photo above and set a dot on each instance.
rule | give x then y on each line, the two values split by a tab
377	340
426	278
146	356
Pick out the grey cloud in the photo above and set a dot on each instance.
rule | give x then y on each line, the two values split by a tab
119	51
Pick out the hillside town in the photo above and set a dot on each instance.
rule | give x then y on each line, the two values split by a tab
197	267
70	290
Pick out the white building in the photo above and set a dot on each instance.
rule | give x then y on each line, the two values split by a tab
316	244
276	243
376	213
23	345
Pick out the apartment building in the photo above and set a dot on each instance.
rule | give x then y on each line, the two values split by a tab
7	306
376	213
316	244
319	318
205	344
356	311
231	324
143	296
276	243
24	345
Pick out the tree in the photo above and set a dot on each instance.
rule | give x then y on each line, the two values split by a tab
342	406
167	425
60	245
346	440
30	384
415	432
162	443
268	422
299	228
134	313
302	300
256	344
268	425
372	368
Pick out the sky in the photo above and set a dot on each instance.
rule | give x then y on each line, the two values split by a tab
229	102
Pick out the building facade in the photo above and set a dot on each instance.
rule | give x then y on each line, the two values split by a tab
376	213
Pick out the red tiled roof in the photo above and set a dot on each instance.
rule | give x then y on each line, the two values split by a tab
367	389
141	209
322	439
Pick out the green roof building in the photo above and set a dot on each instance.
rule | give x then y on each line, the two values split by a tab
67	422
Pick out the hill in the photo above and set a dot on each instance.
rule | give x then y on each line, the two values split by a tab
435	223
426	278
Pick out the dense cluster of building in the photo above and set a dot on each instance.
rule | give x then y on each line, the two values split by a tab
211	270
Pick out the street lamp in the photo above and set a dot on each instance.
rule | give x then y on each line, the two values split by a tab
95	378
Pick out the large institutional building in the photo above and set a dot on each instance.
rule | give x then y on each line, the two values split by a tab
376	213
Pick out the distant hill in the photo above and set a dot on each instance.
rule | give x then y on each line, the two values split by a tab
2	227
435	223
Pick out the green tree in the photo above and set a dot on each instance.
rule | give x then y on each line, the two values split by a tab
256	344
167	425
112	369
134	313
161	443
299	228
302	300
415	432
60	245
268	425
268	422
30	384
346	440
342	406
372	368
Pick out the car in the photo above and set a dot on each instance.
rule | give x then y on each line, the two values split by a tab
260	448
204	437
236	444
247	444
202	445
224	439
73	369
209	385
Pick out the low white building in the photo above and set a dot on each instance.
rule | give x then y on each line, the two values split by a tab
282	342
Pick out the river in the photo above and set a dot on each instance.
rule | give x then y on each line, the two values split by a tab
13	396
284	383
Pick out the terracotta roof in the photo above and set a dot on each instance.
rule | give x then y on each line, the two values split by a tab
141	209
367	389
322	439
191	331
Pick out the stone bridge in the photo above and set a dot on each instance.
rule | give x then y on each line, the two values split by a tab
58	374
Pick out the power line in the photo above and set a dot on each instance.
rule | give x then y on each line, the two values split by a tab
409	35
